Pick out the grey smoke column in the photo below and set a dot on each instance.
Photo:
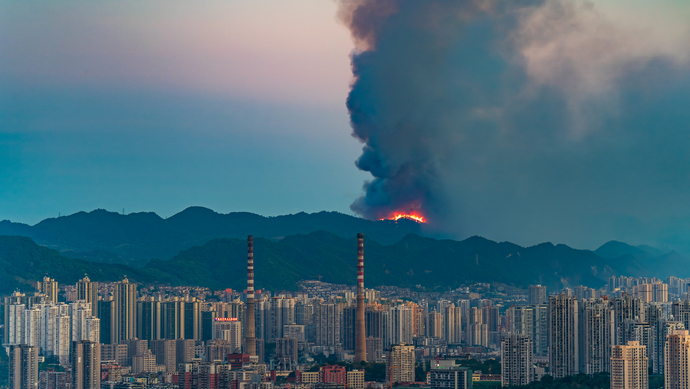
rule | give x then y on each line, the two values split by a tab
360	335
487	115
250	333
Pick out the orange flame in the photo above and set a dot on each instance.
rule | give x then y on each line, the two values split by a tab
417	218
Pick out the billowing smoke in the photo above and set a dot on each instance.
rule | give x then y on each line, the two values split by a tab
526	120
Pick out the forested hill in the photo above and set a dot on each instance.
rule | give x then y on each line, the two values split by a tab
137	237
414	260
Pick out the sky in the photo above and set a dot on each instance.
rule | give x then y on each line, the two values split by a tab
159	105
578	127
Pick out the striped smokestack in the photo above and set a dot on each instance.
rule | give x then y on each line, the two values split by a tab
360	335
250	332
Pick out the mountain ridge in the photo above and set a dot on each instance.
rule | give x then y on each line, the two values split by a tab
414	260
136	238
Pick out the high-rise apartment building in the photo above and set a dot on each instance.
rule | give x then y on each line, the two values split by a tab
124	311
516	360
563	336
106	311
172	318
400	364
88	291
347	332
144	363
629	366
540	333
627	308
520	320
596	336
86	365
148	319
681	312
677	360
229	329
400	324
661	331
435	325
537	295
192	319
452	321
48	287
166	353
23	367
327	317
287	352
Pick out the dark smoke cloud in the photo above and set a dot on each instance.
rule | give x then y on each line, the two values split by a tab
521	120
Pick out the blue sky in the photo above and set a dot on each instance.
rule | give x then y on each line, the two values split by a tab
239	105
159	105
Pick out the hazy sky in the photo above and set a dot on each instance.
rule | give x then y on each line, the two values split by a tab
239	105
236	105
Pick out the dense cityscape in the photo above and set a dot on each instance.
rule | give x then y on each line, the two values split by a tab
329	336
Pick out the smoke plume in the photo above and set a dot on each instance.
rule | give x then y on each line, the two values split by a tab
526	120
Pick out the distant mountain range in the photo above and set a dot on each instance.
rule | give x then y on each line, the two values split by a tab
136	238
282	263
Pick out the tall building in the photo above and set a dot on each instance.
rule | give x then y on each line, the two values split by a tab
537	295
192	319
88	291
106	311
23	367
516	360
347	331
627	308
48	287
677	360
86	365
452	319
229	329
250	333
327	317
148	319
629	366
144	363
360	330
185	350
287	352
540	326
172	318
681	312
662	329
14	323
400	325
435	325
166	353
563	336
596	335
400	364
520	320
124	311
490	317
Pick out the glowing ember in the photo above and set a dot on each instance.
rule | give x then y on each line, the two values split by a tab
417	218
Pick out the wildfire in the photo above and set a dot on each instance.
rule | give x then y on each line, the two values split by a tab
397	216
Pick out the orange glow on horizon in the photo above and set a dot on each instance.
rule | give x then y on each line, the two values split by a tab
417	218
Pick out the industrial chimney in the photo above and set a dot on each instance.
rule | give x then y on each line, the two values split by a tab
250	331
360	335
